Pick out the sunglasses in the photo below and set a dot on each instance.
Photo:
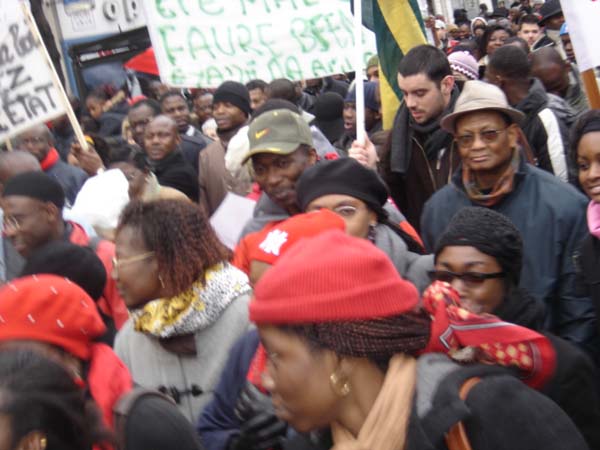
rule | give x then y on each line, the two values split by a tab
487	136
469	278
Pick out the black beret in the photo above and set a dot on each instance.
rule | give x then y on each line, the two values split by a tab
344	176
36	185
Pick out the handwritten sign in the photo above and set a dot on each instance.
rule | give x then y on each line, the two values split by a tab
205	42
28	95
582	20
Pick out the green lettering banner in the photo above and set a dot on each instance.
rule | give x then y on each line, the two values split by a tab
205	42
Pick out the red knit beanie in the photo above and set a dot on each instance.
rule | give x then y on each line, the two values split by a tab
331	277
276	241
50	309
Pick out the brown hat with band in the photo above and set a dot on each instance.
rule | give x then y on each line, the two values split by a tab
480	96
279	131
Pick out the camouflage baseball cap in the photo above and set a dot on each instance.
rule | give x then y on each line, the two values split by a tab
279	131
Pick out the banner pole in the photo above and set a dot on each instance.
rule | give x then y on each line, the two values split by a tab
591	88
358	73
59	87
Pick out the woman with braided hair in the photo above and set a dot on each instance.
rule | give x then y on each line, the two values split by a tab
356	353
187	303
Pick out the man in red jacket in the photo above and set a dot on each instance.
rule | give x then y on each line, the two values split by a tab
33	203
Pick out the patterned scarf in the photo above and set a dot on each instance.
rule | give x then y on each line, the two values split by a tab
195	309
501	189
484	338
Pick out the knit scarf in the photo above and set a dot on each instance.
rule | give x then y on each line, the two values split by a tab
403	133
387	423
593	219
194	309
501	189
51	158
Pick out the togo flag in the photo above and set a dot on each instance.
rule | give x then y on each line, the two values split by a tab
398	27
582	20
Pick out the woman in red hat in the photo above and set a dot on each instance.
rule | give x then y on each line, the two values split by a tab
352	350
56	317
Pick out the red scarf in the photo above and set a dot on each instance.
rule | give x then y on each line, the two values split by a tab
456	332
51	158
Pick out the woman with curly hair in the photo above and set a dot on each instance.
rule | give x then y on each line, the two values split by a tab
188	304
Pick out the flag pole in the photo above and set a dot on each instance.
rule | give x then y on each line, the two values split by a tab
591	88
358	73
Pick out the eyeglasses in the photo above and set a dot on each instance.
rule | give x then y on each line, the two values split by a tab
10	224
123	262
487	136
469	278
31	140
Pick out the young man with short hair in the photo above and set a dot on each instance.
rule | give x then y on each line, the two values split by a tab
231	109
422	156
33	204
546	133
174	105
161	144
258	96
531	32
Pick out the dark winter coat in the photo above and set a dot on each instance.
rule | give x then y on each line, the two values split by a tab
174	171
415	165
550	215
546	133
71	179
110	122
191	146
588	269
573	386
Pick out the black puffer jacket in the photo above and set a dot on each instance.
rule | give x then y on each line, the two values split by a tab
573	386
546	133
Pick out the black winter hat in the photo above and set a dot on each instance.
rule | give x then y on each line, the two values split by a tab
78	264
234	93
344	176
328	110
550	9
489	232
36	185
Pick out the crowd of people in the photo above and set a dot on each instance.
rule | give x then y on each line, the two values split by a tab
435	286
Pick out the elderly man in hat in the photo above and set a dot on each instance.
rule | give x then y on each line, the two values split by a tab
549	214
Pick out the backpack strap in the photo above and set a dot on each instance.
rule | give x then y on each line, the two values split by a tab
457	438
123	407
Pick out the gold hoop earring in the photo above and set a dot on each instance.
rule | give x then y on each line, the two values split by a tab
341	387
160	280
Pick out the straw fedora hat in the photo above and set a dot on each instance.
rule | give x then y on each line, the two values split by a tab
480	96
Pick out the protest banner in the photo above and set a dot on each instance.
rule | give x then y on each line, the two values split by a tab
205	42
581	17
27	90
